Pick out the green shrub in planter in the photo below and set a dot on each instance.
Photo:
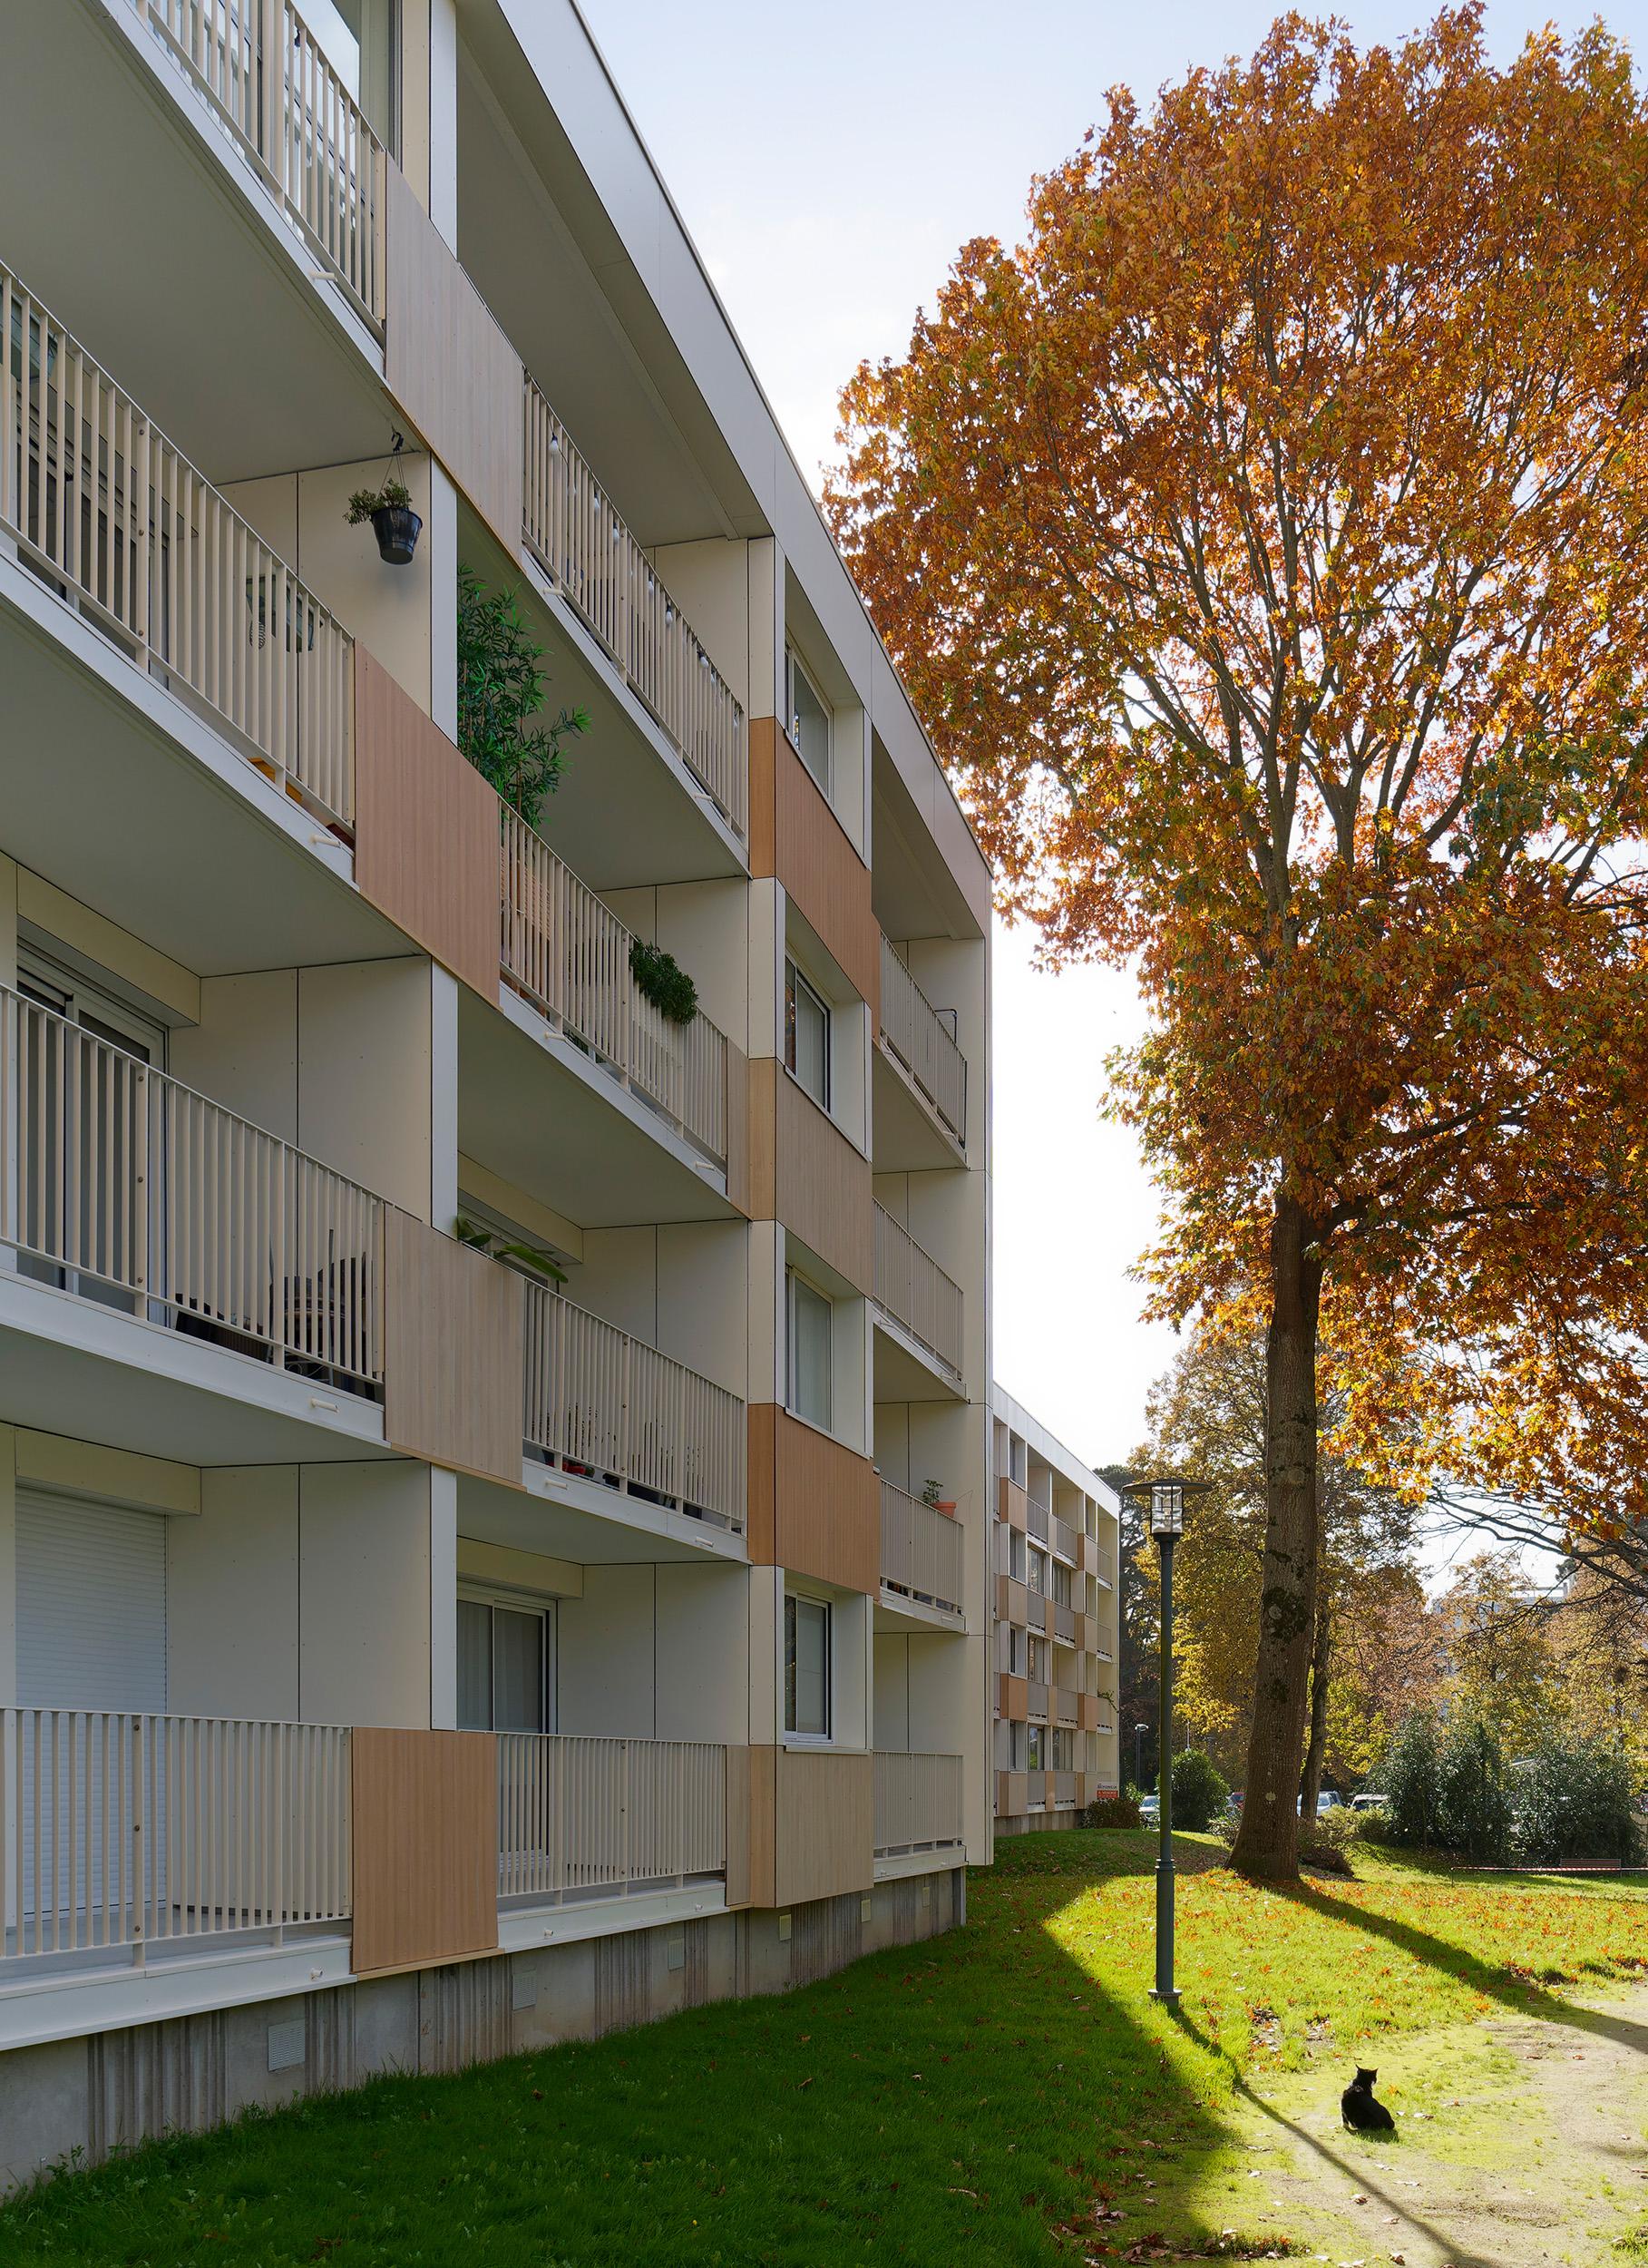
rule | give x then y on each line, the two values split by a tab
660	977
1574	1807
1200	1791
1113	1811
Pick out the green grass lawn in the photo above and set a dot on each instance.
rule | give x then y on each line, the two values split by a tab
977	2099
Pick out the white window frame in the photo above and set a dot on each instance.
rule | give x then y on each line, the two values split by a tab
826	1608
1035	1739
794	668
518	1603
1035	1570
1062	1577
792	1278
797	980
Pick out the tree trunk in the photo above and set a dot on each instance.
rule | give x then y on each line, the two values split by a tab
1310	1784
1267	1844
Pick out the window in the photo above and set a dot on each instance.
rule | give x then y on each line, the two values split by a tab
808	1387
1016	1554
503	1667
1015	1747
807	1035
809	718
1021	1461
1064	1748
1014	1650
806	1668
1061	1584
1091	1594
1034	1737
1039	1660
1037	1571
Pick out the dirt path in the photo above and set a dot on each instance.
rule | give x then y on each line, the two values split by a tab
1521	2145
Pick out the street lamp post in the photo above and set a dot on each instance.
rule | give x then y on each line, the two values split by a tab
1165	1501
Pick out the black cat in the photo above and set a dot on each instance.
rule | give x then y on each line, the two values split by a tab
1358	2107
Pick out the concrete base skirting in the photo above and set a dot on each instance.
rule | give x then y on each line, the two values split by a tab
1038	1822
87	2099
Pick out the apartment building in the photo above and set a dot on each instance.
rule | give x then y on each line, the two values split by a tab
1056	1531
495	1481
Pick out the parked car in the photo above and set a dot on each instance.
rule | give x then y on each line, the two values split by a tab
1150	1809
1370	1800
1329	1800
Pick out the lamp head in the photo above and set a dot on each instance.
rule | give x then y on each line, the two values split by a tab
1163	1497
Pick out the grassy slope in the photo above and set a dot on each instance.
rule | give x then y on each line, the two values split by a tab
968	2098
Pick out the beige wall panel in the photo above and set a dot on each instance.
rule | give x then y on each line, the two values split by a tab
243	1053
450	364
605	1677
824	1826
8	1571
813	1505
365	1074
175	990
365	1587
701	1654
113	1476
454	1330
425	830
231	1596
797	837
425	1846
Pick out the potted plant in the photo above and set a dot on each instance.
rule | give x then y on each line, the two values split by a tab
945	1504
660	979
389	508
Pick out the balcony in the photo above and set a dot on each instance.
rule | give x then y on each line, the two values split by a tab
130	1190
269	81
577	537
928	1066
606	1408
920	1297
114	519
922	1553
1066	1543
569	957
918	1805
132	1841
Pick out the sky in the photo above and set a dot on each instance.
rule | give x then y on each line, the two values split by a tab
829	161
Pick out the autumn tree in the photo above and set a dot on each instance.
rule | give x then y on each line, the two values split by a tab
1263	544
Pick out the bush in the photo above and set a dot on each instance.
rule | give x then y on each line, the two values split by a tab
1200	1792
660	977
1474	1796
1573	1802
1326	1841
1409	1778
499	687
1113	1811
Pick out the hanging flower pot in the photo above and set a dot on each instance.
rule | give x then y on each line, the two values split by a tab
396	528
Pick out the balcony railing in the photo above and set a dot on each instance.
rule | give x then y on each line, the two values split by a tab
918	1803
268	80
913	1035
580	1818
115	519
921	1551
120	1183
1067	1544
566	953
580	541
915	1290
1036	1520
126	1829
603	1406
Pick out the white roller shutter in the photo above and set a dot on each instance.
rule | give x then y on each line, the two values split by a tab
91	1605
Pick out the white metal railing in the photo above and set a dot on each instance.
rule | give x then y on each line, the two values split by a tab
602	1403
113	515
918	1802
1066	1543
122	1185
912	1033
1104	1568
921	1549
563	950
914	1289
124	1830
579	539
268	77
578	1817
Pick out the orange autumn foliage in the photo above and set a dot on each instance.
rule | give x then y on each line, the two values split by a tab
1265	544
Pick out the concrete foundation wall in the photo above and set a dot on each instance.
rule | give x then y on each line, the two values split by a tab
106	2093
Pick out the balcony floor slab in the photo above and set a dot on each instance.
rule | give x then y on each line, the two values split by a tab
566	1518
894	1611
906	1371
908	1135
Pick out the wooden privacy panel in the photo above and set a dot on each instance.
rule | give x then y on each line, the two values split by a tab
1014	1504
794	836
425	832
805	1172
811	1825
426	1847
454	1328
814	1506
449	364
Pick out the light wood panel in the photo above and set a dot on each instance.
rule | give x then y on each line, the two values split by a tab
425	830
823	1835
1012	1698
424	1846
805	1172
797	837
450	364
1012	1794
1086	1712
454	1341
814	1505
1015	1505
740	1852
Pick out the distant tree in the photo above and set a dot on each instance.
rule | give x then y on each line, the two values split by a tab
1264	544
